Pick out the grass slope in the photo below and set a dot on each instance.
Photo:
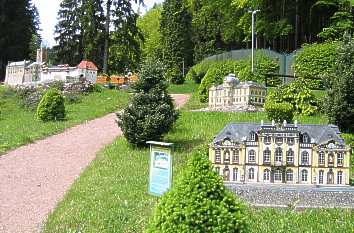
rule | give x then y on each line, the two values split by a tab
19	126
111	195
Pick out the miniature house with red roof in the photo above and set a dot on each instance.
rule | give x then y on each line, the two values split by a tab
18	73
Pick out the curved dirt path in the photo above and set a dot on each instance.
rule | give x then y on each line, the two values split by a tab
34	178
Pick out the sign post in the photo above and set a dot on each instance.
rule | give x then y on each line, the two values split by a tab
160	178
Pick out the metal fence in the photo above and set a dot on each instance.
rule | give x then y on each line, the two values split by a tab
286	61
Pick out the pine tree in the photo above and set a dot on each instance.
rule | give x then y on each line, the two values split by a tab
69	33
176	35
92	26
151	112
339	104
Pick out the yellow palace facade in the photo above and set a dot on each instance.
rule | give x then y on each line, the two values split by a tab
281	153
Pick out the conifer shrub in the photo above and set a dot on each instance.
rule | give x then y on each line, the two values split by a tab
279	111
150	112
199	202
339	104
51	107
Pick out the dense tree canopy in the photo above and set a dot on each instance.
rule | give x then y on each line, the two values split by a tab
19	28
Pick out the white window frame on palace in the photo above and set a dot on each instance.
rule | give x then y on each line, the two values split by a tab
277	175
304	175
252	136
267	139
266	155
290	156
278	155
289	174
234	174
339	177
252	154
321	158
266	175
305	138
251	173
304	155
236	156
340	159
320	177
217	156
227	156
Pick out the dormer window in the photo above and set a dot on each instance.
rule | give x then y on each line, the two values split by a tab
252	136
305	138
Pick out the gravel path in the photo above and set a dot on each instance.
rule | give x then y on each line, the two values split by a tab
34	178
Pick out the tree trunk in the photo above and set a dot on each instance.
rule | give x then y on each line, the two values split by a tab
106	37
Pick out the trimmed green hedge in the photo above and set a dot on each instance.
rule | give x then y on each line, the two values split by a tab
279	111
315	62
51	107
199	202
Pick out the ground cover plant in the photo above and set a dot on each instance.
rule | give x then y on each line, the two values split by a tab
111	195
20	126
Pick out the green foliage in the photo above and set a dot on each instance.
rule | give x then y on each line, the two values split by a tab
279	111
315	62
149	24
339	105
199	202
151	112
51	107
198	71
175	76
299	96
176	34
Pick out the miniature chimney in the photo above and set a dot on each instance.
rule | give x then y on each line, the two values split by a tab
262	122
273	122
295	123
284	123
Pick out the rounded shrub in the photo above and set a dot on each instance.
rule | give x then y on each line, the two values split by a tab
51	107
199	202
315	62
279	111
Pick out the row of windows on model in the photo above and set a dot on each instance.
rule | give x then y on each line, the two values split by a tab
278	175
278	157
304	138
238	92
240	99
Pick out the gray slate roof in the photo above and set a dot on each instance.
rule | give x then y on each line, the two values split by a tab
319	134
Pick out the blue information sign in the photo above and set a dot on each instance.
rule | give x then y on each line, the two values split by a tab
160	168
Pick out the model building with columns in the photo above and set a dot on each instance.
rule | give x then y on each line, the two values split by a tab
281	153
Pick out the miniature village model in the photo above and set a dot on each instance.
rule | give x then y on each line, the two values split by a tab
27	72
285	153
234	95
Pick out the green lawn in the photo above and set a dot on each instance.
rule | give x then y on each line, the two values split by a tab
20	126
111	195
187	87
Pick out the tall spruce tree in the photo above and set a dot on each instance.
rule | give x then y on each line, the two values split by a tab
69	34
176	31
92	26
17	26
340	96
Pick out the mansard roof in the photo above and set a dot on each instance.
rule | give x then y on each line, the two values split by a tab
319	134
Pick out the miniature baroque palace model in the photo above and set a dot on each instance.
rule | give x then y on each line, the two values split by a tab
233	93
286	153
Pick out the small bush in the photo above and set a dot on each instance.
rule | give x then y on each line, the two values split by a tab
151	112
175	76
199	202
51	106
298	95
279	111
315	62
